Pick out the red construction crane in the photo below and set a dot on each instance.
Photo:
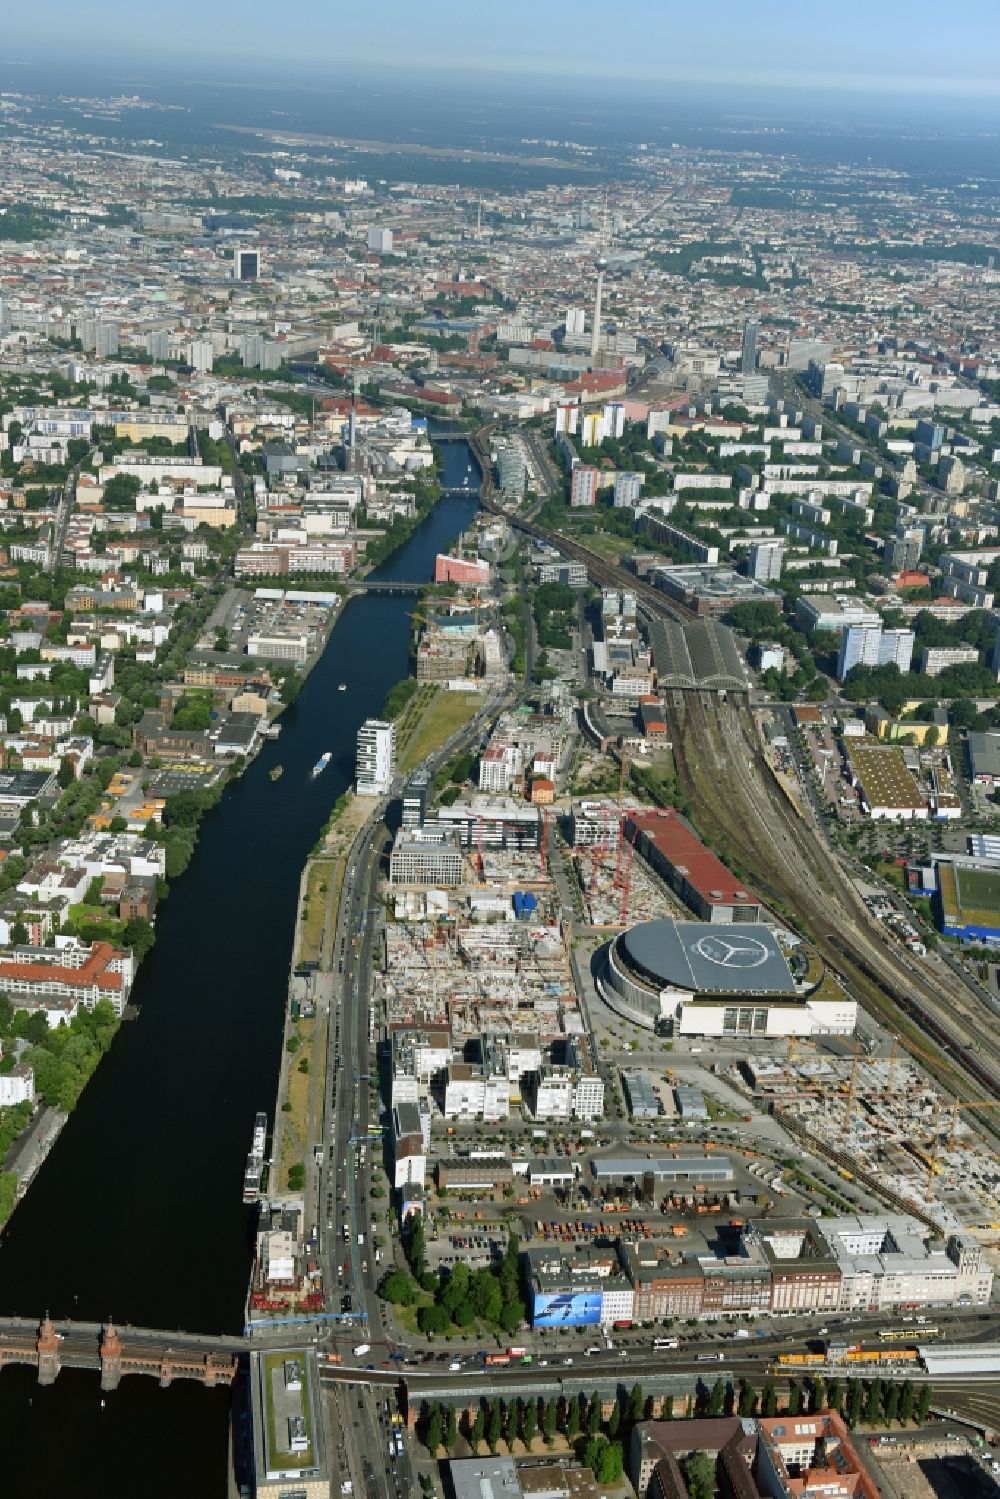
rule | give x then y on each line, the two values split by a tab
627	880
543	852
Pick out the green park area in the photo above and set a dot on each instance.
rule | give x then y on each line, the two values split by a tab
433	722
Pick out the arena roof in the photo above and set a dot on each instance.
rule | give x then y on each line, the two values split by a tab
707	959
702	654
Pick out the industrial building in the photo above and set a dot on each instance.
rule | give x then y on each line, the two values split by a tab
702	881
689	979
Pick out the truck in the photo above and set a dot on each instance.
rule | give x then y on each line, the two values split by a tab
362	1349
361	1238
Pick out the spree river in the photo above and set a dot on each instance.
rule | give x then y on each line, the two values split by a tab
137	1213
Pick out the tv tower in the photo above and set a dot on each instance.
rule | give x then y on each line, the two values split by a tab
600	265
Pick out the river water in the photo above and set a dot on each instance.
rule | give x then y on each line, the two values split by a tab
137	1212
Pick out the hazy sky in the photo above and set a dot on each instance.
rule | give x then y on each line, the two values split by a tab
892	46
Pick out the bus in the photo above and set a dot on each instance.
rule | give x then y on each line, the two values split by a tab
887	1336
662	1343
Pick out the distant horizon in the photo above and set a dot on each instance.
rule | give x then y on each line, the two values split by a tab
865	102
894	50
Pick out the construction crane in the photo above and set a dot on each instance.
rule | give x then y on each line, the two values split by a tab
543	852
849	1109
960	1107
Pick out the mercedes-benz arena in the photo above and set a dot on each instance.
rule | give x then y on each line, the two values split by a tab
689	978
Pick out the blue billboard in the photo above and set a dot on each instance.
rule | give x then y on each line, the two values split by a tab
567	1309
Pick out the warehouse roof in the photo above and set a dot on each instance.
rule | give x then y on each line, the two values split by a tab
684	850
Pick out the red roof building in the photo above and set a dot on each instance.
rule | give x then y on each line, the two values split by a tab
701	880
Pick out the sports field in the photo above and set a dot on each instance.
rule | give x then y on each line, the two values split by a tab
972	894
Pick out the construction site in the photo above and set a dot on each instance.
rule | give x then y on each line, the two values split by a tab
617	887
477	957
884	1120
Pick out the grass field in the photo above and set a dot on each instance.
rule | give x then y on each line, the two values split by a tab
295	1124
607	546
317	900
970	897
440	717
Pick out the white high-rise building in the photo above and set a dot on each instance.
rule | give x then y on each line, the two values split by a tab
628	490
859	646
376	757
380	240
576	320
764	559
201	354
896	647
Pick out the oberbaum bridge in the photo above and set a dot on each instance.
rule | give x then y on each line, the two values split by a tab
94	1345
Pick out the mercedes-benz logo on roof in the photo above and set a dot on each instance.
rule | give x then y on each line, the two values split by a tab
733	952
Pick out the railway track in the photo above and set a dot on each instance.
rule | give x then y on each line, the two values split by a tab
737	804
737	801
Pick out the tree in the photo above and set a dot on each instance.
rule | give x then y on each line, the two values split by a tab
852	1402
834	1395
456	1289
397	1288
433	1319
717	1398
794	1399
747	1398
610	1463
768	1399
573	1417
699	1470
873	1402
139	936
66	774
450	1429
417	1249
594	1416
906	1402
891	1403
636	1404
922	1406
592	1452
493	1430
549	1420
615	1419
817	1393
19	934
529	1421
434	1430
478	1429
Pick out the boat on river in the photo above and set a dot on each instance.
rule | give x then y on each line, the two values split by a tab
255	1160
342	687
276	772
322	763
